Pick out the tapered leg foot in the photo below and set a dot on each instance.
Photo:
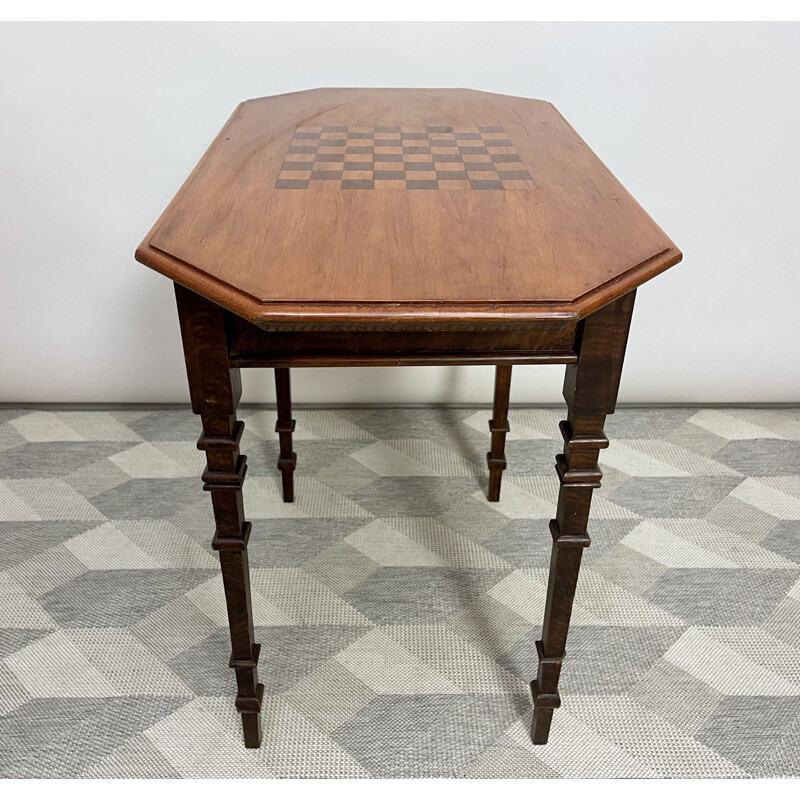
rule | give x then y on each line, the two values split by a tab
250	710
215	390
540	728
499	427
590	389
284	427
251	727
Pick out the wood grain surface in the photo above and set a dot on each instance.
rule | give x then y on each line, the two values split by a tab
559	245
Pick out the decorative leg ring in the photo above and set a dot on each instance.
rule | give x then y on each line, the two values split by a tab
545	694
249	697
284	427
287	461
499	427
496	458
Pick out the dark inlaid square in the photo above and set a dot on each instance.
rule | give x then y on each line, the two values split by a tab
480	166
297	165
491	129
359	149
498	142
357	165
302	148
451	157
443	143
473	151
334	128
502	158
486	184
467	135
388	156
285	183
356	184
419	166
407	135
327	157
451	175
326	175
387	129
514	175
388	142
423	184
299	135
389	175
416	149
332	142
439	128
359	135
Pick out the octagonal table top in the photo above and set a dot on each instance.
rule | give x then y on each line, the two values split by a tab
382	204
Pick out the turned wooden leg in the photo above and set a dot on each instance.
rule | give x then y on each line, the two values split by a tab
284	427
498	425
590	389
215	390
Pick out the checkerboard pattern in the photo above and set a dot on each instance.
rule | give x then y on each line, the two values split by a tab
397	609
394	157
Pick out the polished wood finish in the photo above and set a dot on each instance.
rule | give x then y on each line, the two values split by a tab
286	254
215	390
499	427
590	389
559	246
402	343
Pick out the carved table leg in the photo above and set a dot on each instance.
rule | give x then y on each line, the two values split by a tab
284	427
590	389
215	390
498	425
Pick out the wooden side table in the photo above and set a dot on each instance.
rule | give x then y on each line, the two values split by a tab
366	227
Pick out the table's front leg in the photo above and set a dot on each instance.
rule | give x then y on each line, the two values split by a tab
215	390
590	389
284	427
499	427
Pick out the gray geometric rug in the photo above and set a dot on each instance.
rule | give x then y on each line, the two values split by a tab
397	610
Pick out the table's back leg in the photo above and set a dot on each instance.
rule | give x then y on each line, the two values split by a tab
590	389
215	390
284	427
498	425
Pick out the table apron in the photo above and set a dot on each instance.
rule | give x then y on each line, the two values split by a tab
545	343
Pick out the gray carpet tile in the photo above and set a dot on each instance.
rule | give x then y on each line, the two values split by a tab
784	539
118	597
53	459
165	425
293	542
693	496
646	423
771	457
147	498
417	496
615	658
722	596
397	610
59	738
429	736
13	639
752	730
21	540
419	594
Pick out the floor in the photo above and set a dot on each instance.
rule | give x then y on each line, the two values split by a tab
396	608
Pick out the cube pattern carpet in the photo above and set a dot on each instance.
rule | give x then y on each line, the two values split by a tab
396	608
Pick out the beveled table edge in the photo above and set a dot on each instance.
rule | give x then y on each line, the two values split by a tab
316	312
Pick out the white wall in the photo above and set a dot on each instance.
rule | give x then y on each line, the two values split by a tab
102	122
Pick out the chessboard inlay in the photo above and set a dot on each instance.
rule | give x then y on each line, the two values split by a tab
395	157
